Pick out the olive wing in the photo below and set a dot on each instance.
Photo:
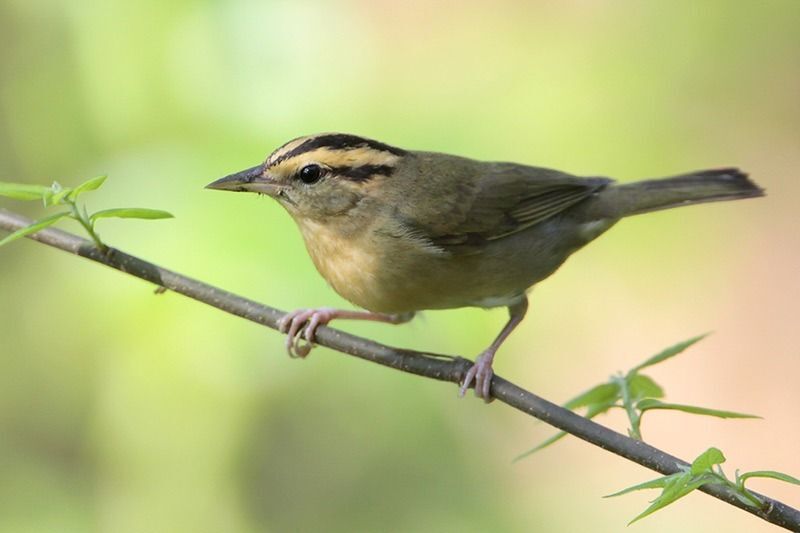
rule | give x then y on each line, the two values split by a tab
506	198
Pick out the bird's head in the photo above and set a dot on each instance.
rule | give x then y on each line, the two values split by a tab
319	176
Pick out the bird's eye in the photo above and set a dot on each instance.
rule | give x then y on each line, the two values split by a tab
310	173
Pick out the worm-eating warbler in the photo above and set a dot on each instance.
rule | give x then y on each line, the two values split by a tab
397	231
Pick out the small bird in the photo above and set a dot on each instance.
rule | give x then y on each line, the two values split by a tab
396	231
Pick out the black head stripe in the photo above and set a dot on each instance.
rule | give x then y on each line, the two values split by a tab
363	173
337	141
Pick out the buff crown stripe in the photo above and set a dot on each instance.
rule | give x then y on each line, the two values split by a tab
337	141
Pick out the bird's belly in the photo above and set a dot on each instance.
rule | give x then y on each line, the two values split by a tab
413	281
498	274
398	276
349	266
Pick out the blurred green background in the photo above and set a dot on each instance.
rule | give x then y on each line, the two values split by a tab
122	411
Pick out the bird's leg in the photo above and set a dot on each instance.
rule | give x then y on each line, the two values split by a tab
308	320
481	372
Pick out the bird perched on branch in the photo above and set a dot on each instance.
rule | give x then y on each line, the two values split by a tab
397	231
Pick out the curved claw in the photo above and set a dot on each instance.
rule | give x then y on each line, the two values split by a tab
481	373
308	320
292	324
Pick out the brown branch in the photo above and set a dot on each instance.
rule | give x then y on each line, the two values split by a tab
443	368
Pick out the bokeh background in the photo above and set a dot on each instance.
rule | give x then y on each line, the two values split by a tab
122	411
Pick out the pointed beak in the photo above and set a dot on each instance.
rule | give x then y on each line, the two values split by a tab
250	180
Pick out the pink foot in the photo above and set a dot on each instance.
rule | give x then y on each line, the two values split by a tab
481	373
292	324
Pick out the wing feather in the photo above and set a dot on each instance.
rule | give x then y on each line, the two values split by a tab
495	200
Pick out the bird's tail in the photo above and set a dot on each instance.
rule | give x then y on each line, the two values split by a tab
617	201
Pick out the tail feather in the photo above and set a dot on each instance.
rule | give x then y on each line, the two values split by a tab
617	201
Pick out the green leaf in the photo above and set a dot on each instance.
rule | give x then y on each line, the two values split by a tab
56	197
641	386
23	191
649	404
745	500
658	483
130	212
88	185
706	460
601	394
34	227
676	488
672	351
55	189
598	409
769	474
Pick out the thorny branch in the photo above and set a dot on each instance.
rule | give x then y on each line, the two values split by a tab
435	367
